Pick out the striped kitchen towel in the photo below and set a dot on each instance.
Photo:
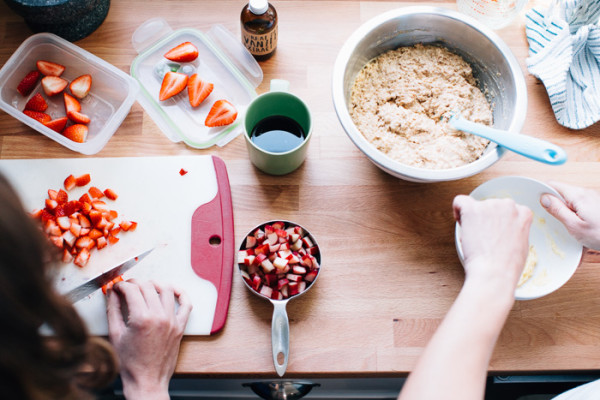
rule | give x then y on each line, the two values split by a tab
564	53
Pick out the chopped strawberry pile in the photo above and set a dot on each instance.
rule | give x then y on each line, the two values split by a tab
77	226
53	84
222	111
279	261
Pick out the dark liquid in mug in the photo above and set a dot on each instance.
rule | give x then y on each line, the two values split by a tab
277	134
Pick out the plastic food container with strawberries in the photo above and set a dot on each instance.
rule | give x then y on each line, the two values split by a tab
222	60
112	94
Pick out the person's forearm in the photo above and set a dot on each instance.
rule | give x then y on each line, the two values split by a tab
454	363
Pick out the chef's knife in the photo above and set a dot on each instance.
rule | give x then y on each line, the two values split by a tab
96	283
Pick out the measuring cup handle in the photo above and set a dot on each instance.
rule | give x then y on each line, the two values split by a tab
280	336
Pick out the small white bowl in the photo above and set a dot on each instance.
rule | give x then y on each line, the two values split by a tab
558	253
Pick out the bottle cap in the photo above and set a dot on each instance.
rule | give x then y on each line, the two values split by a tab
258	7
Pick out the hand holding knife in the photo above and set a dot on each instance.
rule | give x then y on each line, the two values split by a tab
98	282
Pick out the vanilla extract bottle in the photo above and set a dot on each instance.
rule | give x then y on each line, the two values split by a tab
259	29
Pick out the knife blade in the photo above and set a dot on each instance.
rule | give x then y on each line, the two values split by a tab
96	283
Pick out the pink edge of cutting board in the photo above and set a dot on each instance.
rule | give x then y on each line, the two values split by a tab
212	249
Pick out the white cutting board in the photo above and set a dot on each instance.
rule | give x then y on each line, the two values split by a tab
151	192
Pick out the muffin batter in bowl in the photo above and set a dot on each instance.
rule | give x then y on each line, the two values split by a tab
402	99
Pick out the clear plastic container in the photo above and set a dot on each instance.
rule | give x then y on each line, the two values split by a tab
222	60
112	94
494	13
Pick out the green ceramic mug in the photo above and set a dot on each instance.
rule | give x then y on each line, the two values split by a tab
278	101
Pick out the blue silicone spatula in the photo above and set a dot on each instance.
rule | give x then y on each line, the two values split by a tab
527	146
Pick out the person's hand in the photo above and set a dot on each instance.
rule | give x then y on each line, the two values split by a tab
146	332
495	239
579	212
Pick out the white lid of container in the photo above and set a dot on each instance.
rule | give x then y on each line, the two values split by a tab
222	60
258	7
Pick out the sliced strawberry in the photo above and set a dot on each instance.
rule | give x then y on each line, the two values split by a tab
80	87
37	213
64	223
67	257
58	124
95	234
95	192
198	90
49	68
82	181
71	103
173	83
85	198
84	221
78	118
111	194
62	197
84	242
125	225
77	133
110	284
182	172
69	182
185	52
53	85
28	83
112	239
37	103
82	258
38	116
101	242
222	113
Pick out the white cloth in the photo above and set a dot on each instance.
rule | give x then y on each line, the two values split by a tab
564	53
589	391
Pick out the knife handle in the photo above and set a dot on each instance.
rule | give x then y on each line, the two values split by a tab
213	243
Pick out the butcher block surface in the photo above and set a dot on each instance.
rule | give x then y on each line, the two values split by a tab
390	269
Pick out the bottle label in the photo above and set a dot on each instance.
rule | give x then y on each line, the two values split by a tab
259	45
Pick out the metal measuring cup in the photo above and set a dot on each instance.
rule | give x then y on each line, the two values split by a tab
280	326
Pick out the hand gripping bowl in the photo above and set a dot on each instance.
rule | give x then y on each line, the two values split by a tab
494	66
558	253
300	265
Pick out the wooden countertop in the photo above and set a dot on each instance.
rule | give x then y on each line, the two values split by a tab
390	266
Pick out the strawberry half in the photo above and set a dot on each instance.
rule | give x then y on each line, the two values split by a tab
69	182
38	116
173	83
58	124
77	133
222	113
71	103
78	117
198	90
49	68
80	87
53	85
83	180
28	83
185	52
37	103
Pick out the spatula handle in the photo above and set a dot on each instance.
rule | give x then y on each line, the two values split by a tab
528	146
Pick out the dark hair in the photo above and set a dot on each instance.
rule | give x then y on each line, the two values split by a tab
35	366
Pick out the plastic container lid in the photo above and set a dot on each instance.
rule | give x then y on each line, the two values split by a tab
258	7
222	60
108	103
